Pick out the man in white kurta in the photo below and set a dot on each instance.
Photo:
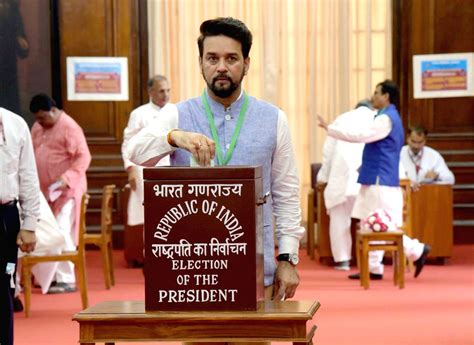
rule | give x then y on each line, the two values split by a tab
49	241
141	117
377	195
341	161
422	163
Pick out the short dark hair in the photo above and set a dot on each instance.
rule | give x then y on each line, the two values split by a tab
41	101
389	86
229	27
151	82
418	129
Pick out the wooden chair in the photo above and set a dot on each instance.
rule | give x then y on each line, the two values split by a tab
77	257
103	239
312	211
407	226
393	242
132	234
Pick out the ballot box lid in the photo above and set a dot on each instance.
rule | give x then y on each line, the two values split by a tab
192	173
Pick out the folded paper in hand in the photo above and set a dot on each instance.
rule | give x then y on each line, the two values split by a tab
194	163
55	191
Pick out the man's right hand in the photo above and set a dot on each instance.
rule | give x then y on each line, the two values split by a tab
201	147
132	177
26	240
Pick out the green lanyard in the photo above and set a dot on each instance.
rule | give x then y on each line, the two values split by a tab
212	125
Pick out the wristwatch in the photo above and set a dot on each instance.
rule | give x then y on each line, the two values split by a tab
291	258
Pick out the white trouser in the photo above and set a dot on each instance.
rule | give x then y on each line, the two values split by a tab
135	209
65	218
49	241
411	247
340	230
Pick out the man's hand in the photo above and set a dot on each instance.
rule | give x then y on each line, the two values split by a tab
201	147
26	240
132	177
286	281
63	183
415	186
322	123
22	43
431	175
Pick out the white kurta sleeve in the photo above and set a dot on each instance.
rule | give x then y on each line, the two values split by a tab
445	175
150	145
376	130
328	153
29	192
437	164
133	127
285	191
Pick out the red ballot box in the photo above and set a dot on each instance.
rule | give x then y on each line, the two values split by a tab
203	238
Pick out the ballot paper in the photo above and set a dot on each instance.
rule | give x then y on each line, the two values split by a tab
194	163
55	191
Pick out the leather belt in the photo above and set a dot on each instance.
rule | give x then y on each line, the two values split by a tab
8	204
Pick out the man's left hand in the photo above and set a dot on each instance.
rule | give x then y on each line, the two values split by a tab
286	281
63	183
431	175
322	123
26	240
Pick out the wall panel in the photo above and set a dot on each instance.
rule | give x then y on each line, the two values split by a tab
436	27
103	28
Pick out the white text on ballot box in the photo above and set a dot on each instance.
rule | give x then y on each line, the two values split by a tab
203	238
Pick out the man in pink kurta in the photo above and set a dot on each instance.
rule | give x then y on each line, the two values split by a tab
62	158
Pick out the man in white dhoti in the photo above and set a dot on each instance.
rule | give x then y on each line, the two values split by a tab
341	161
159	93
422	163
49	241
379	173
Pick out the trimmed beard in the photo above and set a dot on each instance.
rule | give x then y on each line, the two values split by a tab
225	91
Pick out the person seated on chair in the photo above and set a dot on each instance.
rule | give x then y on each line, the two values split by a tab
379	173
341	161
62	158
422	163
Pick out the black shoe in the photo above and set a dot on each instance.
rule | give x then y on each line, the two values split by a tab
17	304
62	288
373	276
420	263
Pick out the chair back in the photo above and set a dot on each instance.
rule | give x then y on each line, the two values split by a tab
82	224
405	185
106	210
314	173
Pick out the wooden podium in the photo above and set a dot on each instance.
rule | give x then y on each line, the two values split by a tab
203	238
432	218
432	221
323	243
203	233
126	321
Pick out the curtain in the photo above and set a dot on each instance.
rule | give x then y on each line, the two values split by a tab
308	57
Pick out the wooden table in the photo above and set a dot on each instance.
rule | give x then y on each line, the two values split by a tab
127	321
432	218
